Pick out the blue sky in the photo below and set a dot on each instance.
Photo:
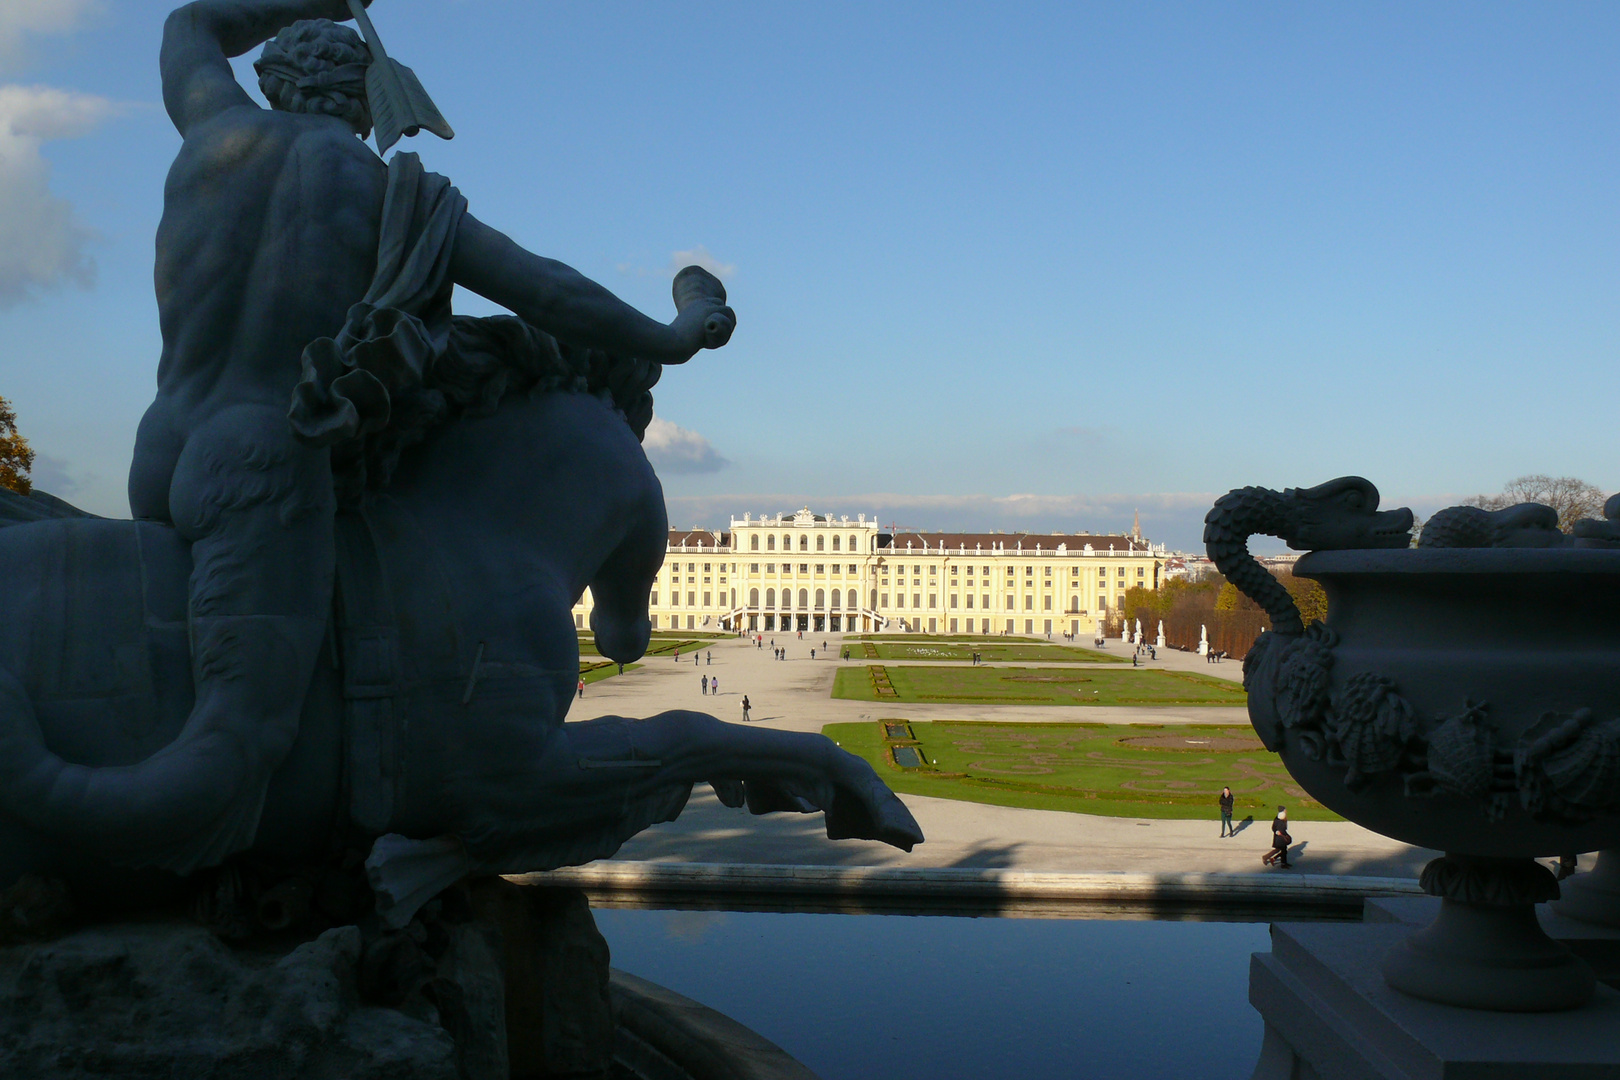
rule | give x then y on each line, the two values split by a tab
995	266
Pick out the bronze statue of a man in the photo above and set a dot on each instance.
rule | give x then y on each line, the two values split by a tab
269	237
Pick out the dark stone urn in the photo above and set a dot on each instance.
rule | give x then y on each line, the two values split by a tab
1462	695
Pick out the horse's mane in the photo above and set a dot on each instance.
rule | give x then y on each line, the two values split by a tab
488	360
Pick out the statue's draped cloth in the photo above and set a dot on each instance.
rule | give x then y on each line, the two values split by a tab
402	364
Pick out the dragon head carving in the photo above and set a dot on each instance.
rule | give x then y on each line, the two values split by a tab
1343	514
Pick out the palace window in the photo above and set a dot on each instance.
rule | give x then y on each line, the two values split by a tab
835	543
851	542
691	599
1029	571
1047	603
753	598
804	568
770	568
705	581
1011	605
1102	571
708	600
1048	571
804	543
885	581
691	568
835	598
1029	603
852	569
706	568
885	600
770	543
770	597
787	542
821	568
821	599
953	600
1140	571
969	599
654	600
984	602
821	543
970	571
852	601
933	570
916	600
753	542
753	568
804	598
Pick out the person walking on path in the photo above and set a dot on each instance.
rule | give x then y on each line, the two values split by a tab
1226	813
745	708
714	686
705	685
708	656
1280	840
812	654
582	687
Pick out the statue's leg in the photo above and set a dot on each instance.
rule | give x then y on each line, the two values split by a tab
257	508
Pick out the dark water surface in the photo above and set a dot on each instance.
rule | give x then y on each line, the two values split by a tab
931	997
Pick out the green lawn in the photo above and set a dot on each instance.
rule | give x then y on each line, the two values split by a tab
596	671
1120	770
666	646
907	649
1034	686
955	638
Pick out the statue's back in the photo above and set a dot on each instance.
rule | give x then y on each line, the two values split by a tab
269	234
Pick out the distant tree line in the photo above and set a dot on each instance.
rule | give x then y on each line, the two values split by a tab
1232	620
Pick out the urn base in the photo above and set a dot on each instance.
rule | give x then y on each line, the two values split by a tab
1486	948
1484	956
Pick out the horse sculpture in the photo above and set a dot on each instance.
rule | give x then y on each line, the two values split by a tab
434	734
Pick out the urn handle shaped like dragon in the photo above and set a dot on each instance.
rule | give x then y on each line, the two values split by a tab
1458	696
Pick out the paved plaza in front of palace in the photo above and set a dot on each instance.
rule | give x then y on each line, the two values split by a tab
795	694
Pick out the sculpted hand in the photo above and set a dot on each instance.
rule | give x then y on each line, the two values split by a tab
704	321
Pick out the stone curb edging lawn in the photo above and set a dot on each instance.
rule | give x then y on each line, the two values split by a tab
1281	888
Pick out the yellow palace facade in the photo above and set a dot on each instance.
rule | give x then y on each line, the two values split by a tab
820	574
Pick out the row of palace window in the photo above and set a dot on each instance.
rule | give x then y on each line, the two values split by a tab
879	600
804	542
804	568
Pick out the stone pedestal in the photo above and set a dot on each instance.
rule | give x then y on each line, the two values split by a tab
1331	1016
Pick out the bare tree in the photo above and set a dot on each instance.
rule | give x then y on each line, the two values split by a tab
1574	499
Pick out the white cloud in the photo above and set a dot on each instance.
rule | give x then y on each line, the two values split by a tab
20	18
700	256
56	476
42	242
672	448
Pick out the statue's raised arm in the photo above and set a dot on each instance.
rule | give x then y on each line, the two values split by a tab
571	307
200	38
